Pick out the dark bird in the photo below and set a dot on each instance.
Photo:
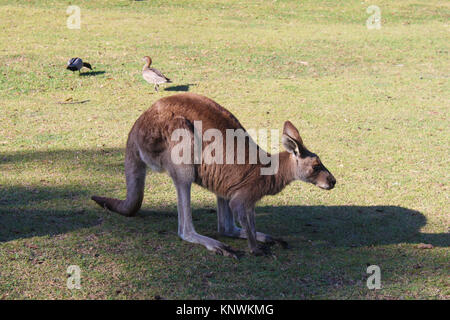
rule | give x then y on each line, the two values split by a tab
75	64
152	75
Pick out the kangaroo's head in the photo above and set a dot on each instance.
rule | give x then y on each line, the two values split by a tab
308	166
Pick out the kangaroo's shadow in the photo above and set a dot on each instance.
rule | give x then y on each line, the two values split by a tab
184	87
91	73
335	226
349	226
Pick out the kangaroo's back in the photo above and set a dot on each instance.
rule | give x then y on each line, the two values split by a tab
153	129
194	107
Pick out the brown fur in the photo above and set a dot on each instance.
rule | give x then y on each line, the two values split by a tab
239	185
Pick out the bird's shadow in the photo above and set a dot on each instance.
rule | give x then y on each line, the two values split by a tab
183	87
91	73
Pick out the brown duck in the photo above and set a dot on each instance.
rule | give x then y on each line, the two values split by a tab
152	75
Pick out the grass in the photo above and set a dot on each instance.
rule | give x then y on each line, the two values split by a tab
372	103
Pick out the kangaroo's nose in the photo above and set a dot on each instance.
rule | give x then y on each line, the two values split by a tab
331	181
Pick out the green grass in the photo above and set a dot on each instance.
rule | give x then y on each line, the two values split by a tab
374	104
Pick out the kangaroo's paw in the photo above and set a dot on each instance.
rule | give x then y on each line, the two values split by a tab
226	251
260	237
211	244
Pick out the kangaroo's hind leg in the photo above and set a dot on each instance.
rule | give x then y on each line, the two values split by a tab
182	172
186	228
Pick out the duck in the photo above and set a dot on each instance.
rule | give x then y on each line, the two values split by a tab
75	64
152	75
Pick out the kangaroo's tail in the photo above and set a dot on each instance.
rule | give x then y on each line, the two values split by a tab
135	170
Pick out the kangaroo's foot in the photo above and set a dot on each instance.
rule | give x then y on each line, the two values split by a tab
261	237
211	244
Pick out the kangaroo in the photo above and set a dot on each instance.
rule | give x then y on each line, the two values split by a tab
237	186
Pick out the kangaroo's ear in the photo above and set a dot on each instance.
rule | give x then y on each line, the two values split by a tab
291	139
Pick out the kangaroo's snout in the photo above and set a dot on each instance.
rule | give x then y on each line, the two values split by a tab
325	180
328	184
331	182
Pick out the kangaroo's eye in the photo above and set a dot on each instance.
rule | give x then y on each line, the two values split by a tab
316	168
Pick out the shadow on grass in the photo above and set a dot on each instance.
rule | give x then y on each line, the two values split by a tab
184	87
27	212
322	239
109	160
349	226
354	226
91	73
